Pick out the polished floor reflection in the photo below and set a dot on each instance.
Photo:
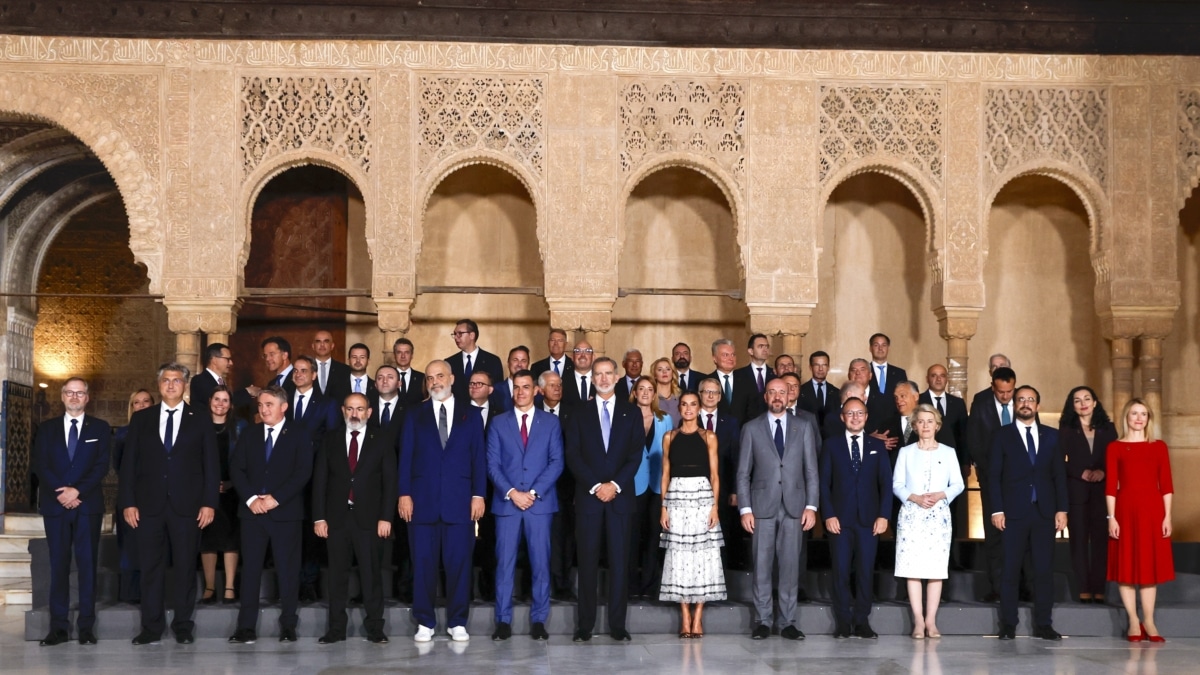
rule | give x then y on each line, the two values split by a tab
647	653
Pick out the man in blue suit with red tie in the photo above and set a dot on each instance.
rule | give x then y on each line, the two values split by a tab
442	480
1028	482
525	459
70	459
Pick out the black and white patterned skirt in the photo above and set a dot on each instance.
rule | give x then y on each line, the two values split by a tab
692	570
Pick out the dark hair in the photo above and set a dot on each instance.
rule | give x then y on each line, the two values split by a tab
312	363
1003	374
815	355
880	335
785	376
682	344
218	389
1037	395
1070	418
750	342
519	348
387	365
481	372
213	350
524	372
283	345
359	345
404	341
470	324
853	399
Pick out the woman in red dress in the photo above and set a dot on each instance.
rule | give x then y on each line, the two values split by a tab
1138	491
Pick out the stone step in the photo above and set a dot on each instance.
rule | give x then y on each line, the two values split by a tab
24	523
16	591
14	565
15	543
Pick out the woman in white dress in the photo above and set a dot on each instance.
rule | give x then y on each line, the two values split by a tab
926	479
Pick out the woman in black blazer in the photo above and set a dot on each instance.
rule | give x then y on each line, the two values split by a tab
1084	434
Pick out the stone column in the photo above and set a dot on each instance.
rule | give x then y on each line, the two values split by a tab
1150	358
188	317
187	349
1122	369
787	323
210	338
793	346
587	319
395	319
957	326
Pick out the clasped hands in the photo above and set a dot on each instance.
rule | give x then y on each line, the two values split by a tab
405	507
68	497
262	504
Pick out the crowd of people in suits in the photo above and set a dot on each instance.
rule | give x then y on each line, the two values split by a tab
581	466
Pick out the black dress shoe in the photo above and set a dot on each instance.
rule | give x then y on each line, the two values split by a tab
243	636
56	637
761	632
538	631
377	637
227	600
87	637
330	638
146	638
802	596
184	637
503	631
791	633
581	636
287	635
620	635
992	597
356	601
308	595
1046	633
1008	632
1025	596
563	595
841	631
863	630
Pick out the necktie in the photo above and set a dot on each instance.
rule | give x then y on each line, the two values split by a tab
220	382
1032	458
358	385
552	411
779	437
683	382
761	384
791	411
556	370
278	381
882	379
728	391
403	385
821	393
583	388
1005	417
270	444
605	424
855	454
169	436
324	377
941	410
443	425
386	416
524	430
468	369
352	459
708	424
72	440
300	407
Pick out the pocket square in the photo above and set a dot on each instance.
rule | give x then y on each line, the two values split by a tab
91	440
872	452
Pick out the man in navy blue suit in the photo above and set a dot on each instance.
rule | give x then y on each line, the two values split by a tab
728	432
604	443
856	500
470	357
442	481
315	413
271	466
502	391
71	459
169	490
525	459
1028	482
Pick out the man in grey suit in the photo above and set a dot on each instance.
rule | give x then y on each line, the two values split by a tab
778	488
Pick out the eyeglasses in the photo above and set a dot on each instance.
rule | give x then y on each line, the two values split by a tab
855	413
460	333
227	358
583	351
478	384
75	394
710	392
1027	399
171	380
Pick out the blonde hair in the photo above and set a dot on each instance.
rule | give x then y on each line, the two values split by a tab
925	408
132	397
675	391
1150	435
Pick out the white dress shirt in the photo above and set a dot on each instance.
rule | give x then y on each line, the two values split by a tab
448	404
162	422
612	405
274	436
67	425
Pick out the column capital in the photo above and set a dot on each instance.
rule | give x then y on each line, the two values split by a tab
773	319
959	323
202	315
591	315
394	314
1131	322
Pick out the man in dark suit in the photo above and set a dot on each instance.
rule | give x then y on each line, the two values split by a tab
411	384
793	405
681	356
470	358
994	361
856	496
485	553
70	458
728	432
953	433
905	395
578	385
986	417
1027	477
169	487
632	363
271	466
327	369
354	488
884	376
525	459
750	381
833	421
562	525
818	396
733	390
277	354
881	410
502	393
218	362
358	359
442	478
559	361
386	415
604	444
315	414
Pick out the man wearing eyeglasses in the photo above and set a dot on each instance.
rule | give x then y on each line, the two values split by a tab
579	385
470	358
728	431
218	366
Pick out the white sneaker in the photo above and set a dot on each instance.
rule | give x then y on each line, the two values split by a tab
423	634
459	634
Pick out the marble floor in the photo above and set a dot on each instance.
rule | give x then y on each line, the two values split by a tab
647	653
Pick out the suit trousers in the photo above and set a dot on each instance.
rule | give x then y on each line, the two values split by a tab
1089	540
452	545
535	529
645	561
1033	535
363	544
401	559
284	538
853	550
562	541
67	532
610	528
993	544
159	536
778	545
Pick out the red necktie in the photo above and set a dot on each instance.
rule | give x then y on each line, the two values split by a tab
524	430
708	425
352	458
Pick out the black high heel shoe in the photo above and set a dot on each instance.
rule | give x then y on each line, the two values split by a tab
229	600
209	597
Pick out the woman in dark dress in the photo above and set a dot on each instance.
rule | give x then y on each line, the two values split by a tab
1084	432
221	536
129	588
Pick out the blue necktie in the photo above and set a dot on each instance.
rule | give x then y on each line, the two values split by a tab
278	382
855	455
882	379
556	370
1032	457
605	424
779	437
386	416
169	437
584	392
300	407
1005	417
728	391
72	440
468	369
270	444
358	385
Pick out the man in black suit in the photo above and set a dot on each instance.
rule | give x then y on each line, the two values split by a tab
271	466
559	361
327	368
986	417
218	362
953	433
735	391
411	382
994	361
632	363
470	358
169	488
277	354
793	388
357	381
386	416
681	356
905	395
315	414
833	420
604	444
1027	478
578	385
884	376
750	381
818	396
562	525
728	432
881	410
354	492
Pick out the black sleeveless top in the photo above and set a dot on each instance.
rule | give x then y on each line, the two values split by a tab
689	455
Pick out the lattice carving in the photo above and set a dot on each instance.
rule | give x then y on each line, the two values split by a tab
503	114
18	444
703	118
1189	142
1069	125
287	113
902	122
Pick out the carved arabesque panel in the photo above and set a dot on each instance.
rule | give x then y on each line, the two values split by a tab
287	113
703	118
1188	150
902	122
502	114
1066	124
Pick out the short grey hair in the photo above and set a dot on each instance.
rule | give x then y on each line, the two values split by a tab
276	391
175	367
722	341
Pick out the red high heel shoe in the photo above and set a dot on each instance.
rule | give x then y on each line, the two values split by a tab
1136	637
1152	638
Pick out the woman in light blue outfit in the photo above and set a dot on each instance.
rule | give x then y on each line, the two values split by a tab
926	479
644	570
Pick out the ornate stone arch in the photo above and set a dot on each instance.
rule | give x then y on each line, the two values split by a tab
705	167
23	159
